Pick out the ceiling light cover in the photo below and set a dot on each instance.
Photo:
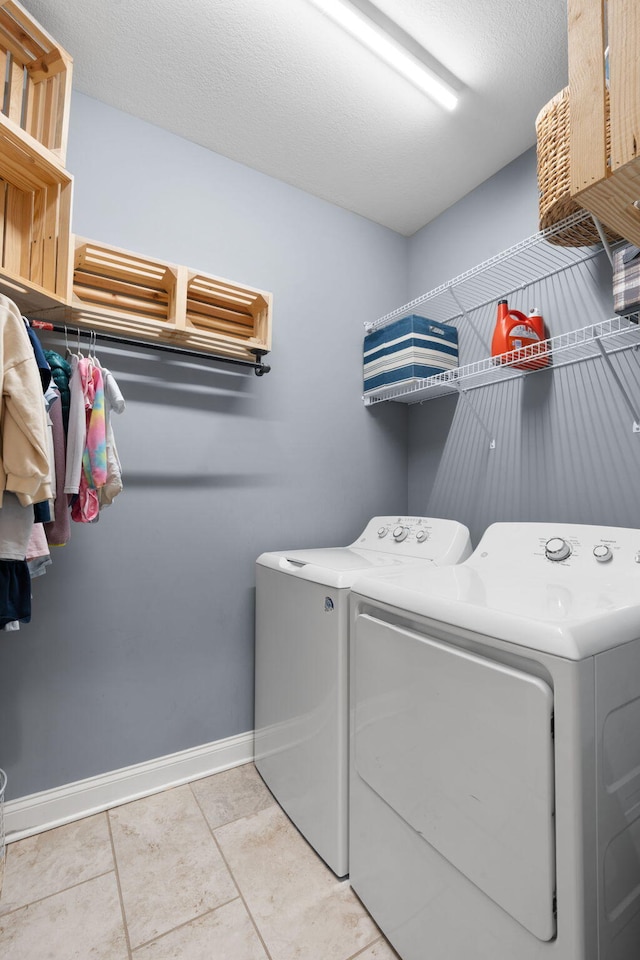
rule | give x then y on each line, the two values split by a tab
371	36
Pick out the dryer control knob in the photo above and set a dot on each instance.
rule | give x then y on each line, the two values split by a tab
602	553
557	549
382	531
421	536
400	534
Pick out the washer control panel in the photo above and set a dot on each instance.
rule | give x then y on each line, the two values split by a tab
425	537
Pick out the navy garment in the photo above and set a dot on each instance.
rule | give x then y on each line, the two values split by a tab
41	360
42	512
15	591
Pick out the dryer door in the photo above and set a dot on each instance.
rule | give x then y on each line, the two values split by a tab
461	747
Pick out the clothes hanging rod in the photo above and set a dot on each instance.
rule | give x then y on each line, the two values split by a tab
257	365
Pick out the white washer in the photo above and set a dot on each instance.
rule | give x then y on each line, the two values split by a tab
495	787
301	688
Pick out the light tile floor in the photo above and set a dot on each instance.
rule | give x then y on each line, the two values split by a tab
212	870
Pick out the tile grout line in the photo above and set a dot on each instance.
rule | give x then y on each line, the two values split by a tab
231	874
125	926
185	923
56	893
381	939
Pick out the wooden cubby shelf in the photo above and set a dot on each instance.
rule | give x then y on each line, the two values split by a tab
122	292
54	276
37	71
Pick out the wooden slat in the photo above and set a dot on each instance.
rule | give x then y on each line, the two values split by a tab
104	261
48	111
586	93
87	279
119	322
212	323
19	22
219	291
64	262
118	301
3	75
36	274
16	83
217	312
35	98
178	296
21	46
50	242
624	86
263	324
63	81
57	129
17	233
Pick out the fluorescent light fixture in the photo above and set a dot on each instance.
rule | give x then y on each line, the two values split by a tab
380	43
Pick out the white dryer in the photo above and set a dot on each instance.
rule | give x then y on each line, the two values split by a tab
495	769
301	682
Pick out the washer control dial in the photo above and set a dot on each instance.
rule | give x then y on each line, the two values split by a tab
382	531
400	534
602	553
421	536
557	549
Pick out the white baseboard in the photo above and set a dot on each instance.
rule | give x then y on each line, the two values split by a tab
51	808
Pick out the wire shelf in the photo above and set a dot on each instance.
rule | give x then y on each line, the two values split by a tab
527	262
608	336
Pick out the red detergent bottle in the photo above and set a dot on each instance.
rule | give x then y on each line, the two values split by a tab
515	331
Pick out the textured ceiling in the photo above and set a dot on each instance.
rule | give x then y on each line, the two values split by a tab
276	85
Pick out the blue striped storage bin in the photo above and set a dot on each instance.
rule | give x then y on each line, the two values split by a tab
408	349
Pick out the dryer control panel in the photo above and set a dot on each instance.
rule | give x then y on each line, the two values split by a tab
578	546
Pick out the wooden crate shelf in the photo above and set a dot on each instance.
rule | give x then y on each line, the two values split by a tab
105	278
37	88
121	292
216	308
35	215
606	181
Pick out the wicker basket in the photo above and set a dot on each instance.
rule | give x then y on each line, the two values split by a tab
554	177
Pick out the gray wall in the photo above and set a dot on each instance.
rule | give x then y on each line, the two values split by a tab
564	444
141	642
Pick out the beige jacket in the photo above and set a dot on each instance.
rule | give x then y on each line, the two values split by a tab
24	463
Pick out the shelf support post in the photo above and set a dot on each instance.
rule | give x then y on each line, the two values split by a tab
625	393
463	396
603	237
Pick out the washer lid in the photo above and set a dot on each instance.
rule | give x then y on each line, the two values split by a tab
336	566
510	589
